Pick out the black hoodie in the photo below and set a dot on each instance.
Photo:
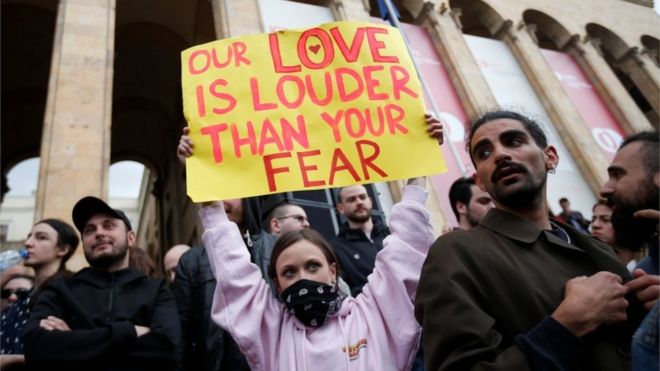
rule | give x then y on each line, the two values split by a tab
102	308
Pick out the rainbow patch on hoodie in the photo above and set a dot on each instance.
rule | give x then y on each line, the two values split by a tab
354	350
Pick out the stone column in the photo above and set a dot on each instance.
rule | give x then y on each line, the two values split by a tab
626	111
445	30
561	110
75	148
236	18
643	75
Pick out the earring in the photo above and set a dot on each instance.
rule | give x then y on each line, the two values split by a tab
551	170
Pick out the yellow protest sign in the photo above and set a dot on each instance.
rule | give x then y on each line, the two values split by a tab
334	105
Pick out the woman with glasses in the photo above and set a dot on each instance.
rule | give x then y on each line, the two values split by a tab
18	285
50	243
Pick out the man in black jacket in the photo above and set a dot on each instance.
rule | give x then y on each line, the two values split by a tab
108	316
205	346
359	239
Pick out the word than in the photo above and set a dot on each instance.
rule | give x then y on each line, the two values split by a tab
351	123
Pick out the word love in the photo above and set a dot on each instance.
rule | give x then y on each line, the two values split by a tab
326	47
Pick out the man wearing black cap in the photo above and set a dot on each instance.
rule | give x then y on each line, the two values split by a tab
107	316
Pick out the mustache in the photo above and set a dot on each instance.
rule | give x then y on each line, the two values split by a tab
505	168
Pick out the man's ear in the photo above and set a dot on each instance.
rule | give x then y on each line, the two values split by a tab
461	208
274	225
477	180
551	158
340	208
131	238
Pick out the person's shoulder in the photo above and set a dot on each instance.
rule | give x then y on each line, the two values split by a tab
462	244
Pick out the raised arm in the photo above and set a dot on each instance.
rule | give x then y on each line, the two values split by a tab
387	298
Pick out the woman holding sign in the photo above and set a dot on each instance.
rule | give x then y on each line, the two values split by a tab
312	326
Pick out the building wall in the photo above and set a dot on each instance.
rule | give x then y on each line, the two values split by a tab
80	105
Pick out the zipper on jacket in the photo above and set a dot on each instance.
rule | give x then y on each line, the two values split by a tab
112	294
248	240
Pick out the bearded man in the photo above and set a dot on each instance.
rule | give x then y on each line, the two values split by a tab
360	237
633	186
107	316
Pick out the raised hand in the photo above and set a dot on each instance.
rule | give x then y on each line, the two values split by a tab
434	128
185	148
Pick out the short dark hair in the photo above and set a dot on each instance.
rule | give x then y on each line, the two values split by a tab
649	151
530	125
66	236
277	212
562	200
338	194
287	239
460	191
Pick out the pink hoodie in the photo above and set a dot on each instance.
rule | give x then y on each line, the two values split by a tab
375	331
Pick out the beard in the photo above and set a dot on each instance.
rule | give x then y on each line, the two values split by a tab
472	220
359	218
527	194
630	232
105	261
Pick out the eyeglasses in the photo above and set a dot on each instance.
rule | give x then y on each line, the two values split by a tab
299	218
6	293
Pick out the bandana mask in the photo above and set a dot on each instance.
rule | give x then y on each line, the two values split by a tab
312	302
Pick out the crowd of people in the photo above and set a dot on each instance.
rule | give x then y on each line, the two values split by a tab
510	288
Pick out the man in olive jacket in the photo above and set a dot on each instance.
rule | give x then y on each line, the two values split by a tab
519	292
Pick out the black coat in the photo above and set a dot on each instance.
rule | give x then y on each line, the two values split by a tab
205	346
356	254
102	309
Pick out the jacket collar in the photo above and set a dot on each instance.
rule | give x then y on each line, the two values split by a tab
103	279
349	233
520	229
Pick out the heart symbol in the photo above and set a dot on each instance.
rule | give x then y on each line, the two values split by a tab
315	48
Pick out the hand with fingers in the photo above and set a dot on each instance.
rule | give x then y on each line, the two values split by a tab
647	214
434	128
51	323
592	301
185	148
646	287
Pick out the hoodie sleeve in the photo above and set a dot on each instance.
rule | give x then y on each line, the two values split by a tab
390	291
45	348
243	303
157	349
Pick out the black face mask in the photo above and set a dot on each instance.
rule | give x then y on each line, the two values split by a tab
312	302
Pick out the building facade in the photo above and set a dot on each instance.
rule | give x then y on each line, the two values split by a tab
87	83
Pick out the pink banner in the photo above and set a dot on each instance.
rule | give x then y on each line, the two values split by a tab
436	78
604	128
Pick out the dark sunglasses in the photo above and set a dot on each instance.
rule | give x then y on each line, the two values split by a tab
6	293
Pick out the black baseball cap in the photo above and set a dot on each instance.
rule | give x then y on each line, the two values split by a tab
89	206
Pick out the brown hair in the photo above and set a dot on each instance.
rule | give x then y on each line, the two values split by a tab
139	260
287	239
600	202
66	236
